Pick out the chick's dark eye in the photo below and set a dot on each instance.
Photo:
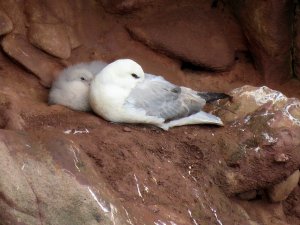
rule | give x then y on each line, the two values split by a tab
82	78
135	76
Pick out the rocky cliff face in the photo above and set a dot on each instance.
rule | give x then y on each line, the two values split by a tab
59	166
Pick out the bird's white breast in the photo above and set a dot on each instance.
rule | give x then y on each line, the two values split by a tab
107	101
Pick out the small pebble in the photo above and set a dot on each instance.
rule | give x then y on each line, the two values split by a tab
127	129
281	157
154	208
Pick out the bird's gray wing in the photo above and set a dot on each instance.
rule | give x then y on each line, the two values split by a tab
160	98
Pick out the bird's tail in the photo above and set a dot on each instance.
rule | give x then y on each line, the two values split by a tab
213	96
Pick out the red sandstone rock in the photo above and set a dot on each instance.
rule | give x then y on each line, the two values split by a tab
266	123
47	184
190	34
260	211
38	12
15	11
30	57
296	47
6	25
280	192
268	28
52	38
73	37
55	13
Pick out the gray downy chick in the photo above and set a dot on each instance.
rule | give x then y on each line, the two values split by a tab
71	88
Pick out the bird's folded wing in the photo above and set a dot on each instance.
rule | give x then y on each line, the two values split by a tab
159	98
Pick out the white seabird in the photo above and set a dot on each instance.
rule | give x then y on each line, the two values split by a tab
71	88
123	93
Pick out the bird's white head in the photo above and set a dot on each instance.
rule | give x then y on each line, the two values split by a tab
80	75
71	89
124	73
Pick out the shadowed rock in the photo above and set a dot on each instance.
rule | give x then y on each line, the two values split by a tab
52	38
264	23
201	41
6	24
36	61
281	191
296	43
15	12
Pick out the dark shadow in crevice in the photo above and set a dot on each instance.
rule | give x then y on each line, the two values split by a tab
191	67
244	56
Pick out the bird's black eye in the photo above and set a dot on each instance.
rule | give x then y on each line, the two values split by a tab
135	76
82	78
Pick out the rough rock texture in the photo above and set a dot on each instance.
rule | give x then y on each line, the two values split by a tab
265	213
296	46
264	23
59	17
281	191
31	58
52	38
291	206
203	40
6	25
266	124
73	37
52	12
52	183
135	174
15	11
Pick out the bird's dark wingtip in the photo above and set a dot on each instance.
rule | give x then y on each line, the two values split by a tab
213	96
